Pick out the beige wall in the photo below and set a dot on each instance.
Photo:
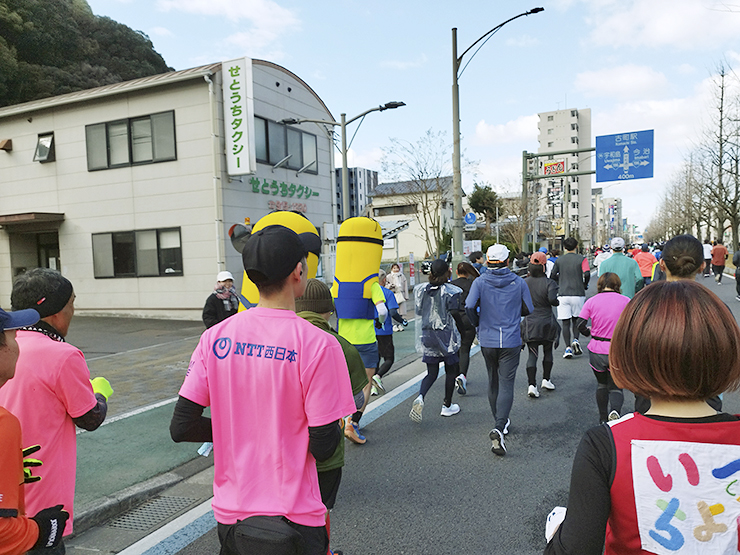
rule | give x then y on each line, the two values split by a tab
167	194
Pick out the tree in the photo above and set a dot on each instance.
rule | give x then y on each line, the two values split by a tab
52	48
485	202
425	169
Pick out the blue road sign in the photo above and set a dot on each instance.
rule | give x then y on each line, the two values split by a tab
470	218
624	156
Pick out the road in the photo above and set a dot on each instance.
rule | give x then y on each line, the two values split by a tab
428	488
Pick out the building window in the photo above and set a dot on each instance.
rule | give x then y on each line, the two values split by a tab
395	210
44	148
574	113
574	140
121	143
549	131
144	253
274	141
549	144
574	126
549	118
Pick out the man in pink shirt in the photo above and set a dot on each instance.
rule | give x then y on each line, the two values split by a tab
278	388
52	393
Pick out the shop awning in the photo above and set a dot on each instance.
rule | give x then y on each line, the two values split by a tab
31	222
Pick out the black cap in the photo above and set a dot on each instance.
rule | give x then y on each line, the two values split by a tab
272	253
439	268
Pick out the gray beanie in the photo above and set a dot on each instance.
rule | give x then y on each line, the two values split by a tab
317	298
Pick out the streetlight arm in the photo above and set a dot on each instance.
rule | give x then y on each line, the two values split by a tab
496	28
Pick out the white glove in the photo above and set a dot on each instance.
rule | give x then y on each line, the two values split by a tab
382	312
554	520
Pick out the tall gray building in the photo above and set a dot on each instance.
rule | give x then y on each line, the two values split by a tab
566	200
362	183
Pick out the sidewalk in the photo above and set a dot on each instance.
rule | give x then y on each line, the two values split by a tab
131	458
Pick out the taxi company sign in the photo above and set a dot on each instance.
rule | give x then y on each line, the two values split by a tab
554	168
238	98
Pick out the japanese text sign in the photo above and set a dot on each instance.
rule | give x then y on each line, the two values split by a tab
624	156
238	101
686	496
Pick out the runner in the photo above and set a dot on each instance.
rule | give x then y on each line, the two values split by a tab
540	328
604	310
466	273
572	274
644	483
437	335
503	298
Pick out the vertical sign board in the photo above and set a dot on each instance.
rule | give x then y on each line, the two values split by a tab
624	156
238	99
412	271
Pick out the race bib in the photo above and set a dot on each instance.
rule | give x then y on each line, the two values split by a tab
687	497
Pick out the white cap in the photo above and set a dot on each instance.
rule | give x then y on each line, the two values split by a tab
617	243
497	253
223	276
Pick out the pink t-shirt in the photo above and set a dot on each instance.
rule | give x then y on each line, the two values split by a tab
604	310
267	375
51	387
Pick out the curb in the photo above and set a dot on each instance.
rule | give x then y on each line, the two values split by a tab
110	506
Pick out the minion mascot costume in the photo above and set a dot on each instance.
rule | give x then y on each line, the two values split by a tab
357	297
306	231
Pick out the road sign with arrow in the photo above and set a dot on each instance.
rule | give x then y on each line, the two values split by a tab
624	156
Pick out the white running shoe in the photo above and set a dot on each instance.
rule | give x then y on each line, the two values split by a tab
462	384
416	409
378	383
547	384
576	346
613	415
568	353
498	447
451	410
532	392
374	391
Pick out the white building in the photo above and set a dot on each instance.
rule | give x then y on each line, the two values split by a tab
416	203
130	189
361	184
567	200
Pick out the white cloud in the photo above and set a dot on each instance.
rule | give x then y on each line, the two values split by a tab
523	41
404	65
369	159
686	69
627	81
680	24
161	32
522	128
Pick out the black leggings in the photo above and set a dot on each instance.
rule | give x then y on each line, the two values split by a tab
607	392
533	348
451	372
566	330
386	351
468	335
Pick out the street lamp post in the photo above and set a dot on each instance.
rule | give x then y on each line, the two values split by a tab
343	123
457	212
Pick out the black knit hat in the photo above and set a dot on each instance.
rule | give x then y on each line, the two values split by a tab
317	298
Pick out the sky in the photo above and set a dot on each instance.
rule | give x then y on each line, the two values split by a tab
637	64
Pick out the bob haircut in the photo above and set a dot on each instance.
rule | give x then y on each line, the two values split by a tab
468	269
609	280
676	340
683	256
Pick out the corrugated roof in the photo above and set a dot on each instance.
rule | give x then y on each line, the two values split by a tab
109	90
134	85
410	187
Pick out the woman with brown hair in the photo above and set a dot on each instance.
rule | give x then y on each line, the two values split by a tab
663	481
604	310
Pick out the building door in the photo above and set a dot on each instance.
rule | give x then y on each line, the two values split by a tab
48	250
